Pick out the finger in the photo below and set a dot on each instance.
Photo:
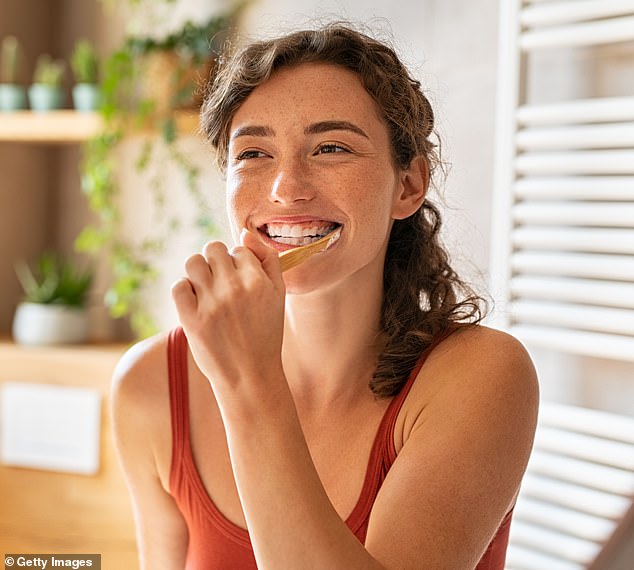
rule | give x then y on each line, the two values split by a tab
185	299
267	256
218	259
244	258
198	273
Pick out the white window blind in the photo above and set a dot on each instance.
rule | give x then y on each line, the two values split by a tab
562	265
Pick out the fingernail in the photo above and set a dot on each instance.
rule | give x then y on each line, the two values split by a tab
243	233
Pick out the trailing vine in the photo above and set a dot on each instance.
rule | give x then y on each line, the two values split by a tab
131	263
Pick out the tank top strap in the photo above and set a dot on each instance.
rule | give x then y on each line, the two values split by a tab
386	429
383	451
179	402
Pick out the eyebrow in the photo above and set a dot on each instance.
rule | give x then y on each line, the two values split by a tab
315	128
252	131
325	126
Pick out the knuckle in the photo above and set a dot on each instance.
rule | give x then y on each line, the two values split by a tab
179	287
214	248
194	262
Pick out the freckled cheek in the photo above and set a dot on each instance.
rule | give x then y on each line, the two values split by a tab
240	199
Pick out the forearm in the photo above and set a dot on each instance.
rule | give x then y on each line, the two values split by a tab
291	521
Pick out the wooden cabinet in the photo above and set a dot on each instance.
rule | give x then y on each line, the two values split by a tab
45	511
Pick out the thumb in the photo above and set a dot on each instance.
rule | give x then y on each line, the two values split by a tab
267	255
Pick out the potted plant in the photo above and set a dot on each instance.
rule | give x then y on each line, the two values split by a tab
172	67
12	95
45	94
127	105
54	308
84	63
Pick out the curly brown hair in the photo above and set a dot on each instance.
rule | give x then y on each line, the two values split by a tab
423	296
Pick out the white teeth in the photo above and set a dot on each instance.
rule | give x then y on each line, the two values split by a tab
297	234
295	241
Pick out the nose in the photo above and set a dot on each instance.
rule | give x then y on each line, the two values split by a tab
291	183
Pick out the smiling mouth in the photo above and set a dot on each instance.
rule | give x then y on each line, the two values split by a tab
298	234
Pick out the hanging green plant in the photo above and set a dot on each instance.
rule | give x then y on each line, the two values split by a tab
124	107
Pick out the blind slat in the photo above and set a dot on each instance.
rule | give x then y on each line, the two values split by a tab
586	420
567	12
602	293
619	135
566	521
520	558
597	215
597	110
554	543
573	239
569	494
586	447
599	319
585	343
576	35
580	162
593	476
594	266
617	188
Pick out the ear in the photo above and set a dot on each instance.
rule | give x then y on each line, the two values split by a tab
414	182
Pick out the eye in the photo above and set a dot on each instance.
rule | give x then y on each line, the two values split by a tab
330	148
250	153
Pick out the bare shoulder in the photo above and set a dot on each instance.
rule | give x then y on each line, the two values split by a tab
141	373
140	408
481	376
482	358
140	393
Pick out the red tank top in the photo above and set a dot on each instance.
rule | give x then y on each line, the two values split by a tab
215	543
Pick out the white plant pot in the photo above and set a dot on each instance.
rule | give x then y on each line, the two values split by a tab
45	98
37	324
86	97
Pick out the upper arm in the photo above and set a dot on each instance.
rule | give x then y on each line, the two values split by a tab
138	403
460	467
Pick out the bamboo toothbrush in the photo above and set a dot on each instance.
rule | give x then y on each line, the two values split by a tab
295	256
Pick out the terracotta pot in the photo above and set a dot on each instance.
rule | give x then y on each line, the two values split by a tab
172	82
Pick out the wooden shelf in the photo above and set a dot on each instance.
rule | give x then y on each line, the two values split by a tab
108	352
68	126
51	127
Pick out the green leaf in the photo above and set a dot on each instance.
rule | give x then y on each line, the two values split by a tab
91	240
55	280
168	130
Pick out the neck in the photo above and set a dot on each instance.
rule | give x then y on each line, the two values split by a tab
331	342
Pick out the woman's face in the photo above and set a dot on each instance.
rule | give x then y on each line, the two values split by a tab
308	152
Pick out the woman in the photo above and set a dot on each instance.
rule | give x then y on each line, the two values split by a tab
350	413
